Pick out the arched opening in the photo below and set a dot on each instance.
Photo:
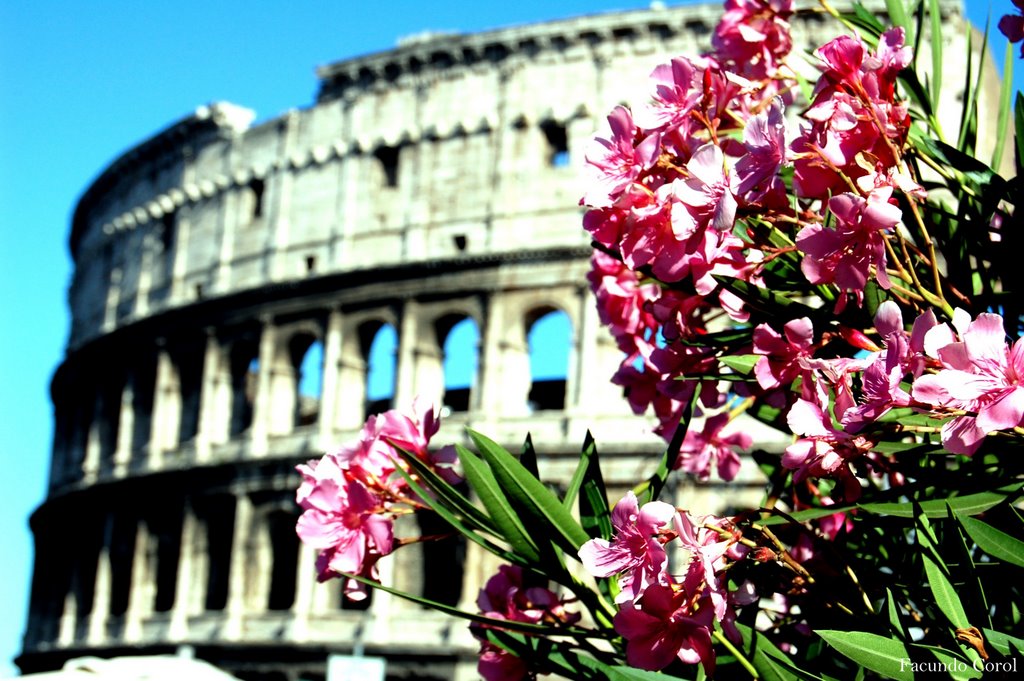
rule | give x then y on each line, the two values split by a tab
190	378
217	515
381	364
460	358
548	337
245	369
284	545
308	359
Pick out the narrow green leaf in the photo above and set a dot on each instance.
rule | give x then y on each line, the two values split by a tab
1005	93
898	17
649	490
767	659
879	654
529	457
935	17
576	482
457	523
944	594
531	494
967	505
957	666
595	515
451	496
1018	123
482	480
894	616
741	364
977	601
1002	642
994	542
765	300
529	627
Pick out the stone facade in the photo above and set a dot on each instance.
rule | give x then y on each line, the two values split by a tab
428	185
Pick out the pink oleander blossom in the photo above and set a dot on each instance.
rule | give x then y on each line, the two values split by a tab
757	171
677	90
707	198
846	255
708	447
822	450
636	548
980	375
623	303
615	161
497	664
753	36
666	624
345	522
780	364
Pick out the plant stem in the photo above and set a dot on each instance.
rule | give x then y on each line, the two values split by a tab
736	653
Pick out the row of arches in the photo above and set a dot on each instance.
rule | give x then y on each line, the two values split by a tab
260	381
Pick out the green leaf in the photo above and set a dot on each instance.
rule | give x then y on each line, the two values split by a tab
458	524
879	654
957	666
935	17
741	364
968	505
1002	642
977	602
531	495
529	457
483	482
595	516
898	17
768	660
765	300
994	542
1005	93
944	594
453	499
576	482
894	616
1018	122
649	490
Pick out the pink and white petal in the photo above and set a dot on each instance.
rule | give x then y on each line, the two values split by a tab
1004	412
962	435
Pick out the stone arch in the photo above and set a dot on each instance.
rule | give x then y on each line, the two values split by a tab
293	342
548	331
243	367
379	351
458	336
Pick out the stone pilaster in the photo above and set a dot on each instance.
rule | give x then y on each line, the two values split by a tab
189	580
238	582
327	419
263	409
214	400
101	591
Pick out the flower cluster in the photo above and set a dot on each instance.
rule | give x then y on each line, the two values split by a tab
350	497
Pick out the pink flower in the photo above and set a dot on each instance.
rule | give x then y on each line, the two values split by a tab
846	254
753	36
1012	26
345	522
822	450
780	363
622	301
665	624
981	375
706	199
758	169
702	449
497	664
613	163
677	90
635	549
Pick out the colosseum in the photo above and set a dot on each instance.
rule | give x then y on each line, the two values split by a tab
231	285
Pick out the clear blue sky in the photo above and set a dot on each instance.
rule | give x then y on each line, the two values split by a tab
82	81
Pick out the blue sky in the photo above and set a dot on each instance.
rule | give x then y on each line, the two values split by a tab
81	82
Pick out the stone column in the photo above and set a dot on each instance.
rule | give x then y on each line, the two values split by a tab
263	409
583	383
140	599
305	593
101	591
187	582
420	371
126	425
94	440
504	362
214	399
238	581
166	409
329	393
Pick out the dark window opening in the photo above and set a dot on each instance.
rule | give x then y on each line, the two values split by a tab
190	378
460	242
122	552
307	356
199	291
167	539
167	233
443	559
388	157
220	522
284	544
257	187
310	264
245	369
558	144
